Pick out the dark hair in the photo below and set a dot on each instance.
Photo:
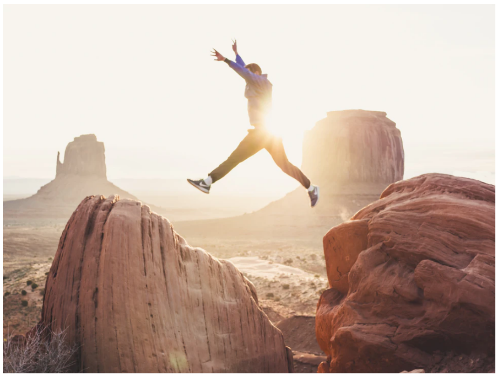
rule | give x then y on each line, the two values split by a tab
254	67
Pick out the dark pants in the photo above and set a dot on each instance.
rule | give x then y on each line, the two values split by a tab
256	140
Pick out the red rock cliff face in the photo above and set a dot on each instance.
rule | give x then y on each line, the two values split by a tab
136	298
354	146
412	278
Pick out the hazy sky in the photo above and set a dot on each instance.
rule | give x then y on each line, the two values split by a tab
141	78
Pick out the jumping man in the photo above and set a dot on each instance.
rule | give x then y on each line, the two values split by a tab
258	91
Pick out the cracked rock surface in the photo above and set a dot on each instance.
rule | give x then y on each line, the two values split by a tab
135	297
412	281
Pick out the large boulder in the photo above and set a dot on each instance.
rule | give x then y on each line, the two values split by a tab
412	281
135	297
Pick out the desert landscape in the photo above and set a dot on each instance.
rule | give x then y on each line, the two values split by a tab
384	275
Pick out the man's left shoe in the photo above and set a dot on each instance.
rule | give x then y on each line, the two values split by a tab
200	185
314	195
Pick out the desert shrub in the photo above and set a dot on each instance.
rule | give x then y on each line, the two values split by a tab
24	303
286	286
29	282
313	256
269	295
23	292
42	292
7	293
44	352
34	286
47	273
288	262
316	275
320	291
50	258
5	277
277	299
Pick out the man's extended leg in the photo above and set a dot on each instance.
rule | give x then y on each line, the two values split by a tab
277	150
250	145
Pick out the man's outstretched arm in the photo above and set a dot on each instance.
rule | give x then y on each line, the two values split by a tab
238	57
240	70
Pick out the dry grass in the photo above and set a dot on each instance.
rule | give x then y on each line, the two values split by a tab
44	352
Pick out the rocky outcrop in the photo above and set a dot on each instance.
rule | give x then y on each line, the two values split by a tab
135	297
353	147
412	281
83	157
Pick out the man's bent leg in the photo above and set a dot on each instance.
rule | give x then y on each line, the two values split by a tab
250	145
277	150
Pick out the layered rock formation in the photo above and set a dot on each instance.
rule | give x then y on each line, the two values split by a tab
412	281
353	147
135	297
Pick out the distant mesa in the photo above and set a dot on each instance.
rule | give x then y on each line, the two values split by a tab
412	281
353	147
83	157
83	173
135	297
352	155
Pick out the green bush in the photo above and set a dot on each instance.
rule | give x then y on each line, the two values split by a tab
29	282
34	286
286	286
24	303
23	292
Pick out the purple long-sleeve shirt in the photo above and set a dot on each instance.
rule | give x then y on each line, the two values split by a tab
258	91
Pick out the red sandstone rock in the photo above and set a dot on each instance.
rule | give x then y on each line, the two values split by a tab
135	297
412	279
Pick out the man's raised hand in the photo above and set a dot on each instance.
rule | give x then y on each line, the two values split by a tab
217	55
235	47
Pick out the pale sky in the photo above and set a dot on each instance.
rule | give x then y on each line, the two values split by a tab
141	78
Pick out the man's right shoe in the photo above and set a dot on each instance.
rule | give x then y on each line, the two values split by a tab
314	195
200	185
